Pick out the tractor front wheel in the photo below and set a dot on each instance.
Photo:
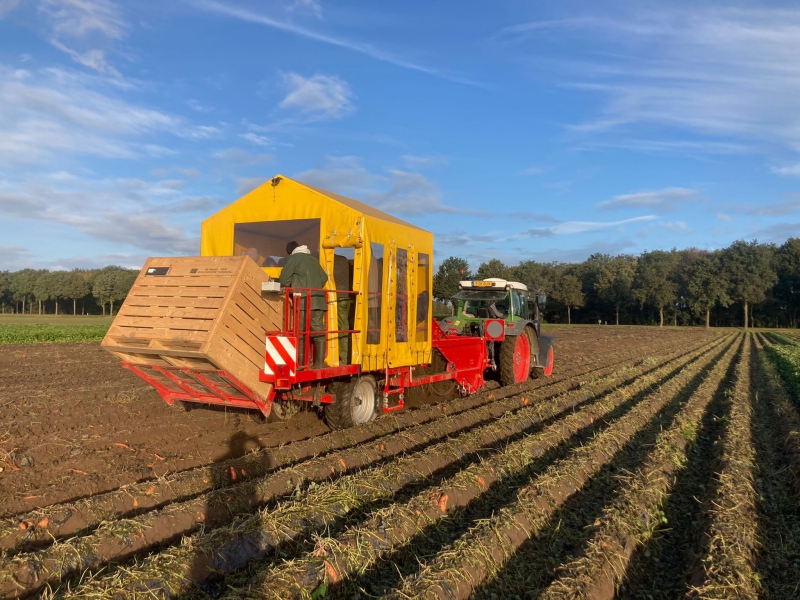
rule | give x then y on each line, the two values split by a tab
515	359
356	403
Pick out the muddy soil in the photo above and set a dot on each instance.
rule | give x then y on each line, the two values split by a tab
73	423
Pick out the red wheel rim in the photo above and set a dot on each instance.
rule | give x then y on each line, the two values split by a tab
549	368
522	358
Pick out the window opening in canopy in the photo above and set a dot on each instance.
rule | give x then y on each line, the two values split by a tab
374	293
265	241
423	296
345	303
401	298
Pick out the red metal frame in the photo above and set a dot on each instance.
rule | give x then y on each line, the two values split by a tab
195	385
466	358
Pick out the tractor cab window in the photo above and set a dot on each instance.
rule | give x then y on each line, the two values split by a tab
520	303
483	304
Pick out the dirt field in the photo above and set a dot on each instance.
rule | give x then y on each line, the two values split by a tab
653	464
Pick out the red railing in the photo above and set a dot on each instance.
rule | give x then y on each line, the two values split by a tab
293	314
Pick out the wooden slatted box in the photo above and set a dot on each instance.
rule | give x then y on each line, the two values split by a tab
199	312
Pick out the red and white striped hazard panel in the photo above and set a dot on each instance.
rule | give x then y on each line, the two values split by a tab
281	356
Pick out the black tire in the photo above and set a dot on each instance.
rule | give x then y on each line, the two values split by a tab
283	411
356	403
509	368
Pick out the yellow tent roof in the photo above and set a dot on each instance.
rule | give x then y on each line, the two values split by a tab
361	207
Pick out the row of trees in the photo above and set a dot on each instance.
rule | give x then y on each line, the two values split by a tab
732	285
22	291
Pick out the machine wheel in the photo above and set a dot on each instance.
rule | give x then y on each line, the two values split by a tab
356	403
283	410
515	359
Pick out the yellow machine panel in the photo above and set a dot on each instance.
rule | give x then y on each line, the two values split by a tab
389	263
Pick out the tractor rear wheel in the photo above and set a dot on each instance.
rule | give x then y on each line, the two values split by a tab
515	359
356	403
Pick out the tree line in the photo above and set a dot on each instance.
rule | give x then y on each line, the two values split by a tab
747	283
40	291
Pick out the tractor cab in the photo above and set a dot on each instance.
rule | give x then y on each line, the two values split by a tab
492	298
503	313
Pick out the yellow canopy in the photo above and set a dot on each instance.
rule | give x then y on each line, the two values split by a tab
389	262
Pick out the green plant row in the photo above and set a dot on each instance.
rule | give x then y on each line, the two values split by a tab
35	334
785	355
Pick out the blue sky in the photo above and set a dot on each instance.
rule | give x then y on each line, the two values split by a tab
510	129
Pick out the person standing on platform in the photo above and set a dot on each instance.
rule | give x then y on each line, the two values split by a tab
302	271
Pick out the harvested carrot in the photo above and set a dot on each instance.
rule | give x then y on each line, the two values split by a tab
201	517
243	473
121	445
481	482
30	497
443	502
150	490
23	526
333	576
344	464
43	523
135	502
79	472
159	457
233	474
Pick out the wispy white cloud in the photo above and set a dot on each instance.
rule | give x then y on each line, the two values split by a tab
78	18
714	72
312	7
532	171
317	98
244	14
258	140
395	191
791	206
573	227
418	163
677	226
665	200
52	112
787	170
145	214
340	174
777	233
6	6
86	24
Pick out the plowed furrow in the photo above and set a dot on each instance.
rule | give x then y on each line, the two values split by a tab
631	519
727	568
486	548
66	519
258	535
776	429
335	559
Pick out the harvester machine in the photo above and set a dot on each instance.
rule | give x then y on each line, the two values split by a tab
219	329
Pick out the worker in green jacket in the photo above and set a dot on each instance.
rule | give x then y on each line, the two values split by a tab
301	271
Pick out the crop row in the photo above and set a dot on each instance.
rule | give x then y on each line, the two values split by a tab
484	550
63	520
226	549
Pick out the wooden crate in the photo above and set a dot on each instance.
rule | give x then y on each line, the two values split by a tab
198	312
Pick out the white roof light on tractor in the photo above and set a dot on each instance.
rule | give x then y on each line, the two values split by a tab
494	282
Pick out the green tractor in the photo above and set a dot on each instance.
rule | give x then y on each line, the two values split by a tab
505	315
